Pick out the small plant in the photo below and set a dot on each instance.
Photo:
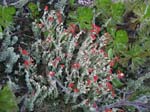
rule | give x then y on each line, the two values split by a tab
83	21
72	56
34	10
128	41
75	66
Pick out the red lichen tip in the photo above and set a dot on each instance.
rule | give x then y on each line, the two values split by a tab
71	85
46	8
51	73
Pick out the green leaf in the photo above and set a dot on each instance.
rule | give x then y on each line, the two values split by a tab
71	2
135	50
34	9
139	9
85	26
1	10
103	4
8	18
9	11
110	53
32	6
1	29
7	100
117	11
121	37
85	13
112	31
147	12
72	15
116	82
6	15
147	45
120	42
84	17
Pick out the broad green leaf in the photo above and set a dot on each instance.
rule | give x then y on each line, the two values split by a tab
147	12
32	6
34	9
85	25
84	13
121	37
117	83
84	17
117	11
9	10
8	18
6	15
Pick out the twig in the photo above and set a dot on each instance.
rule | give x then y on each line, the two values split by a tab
121	103
5	2
63	88
19	3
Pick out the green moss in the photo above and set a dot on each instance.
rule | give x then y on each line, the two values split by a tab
7	100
